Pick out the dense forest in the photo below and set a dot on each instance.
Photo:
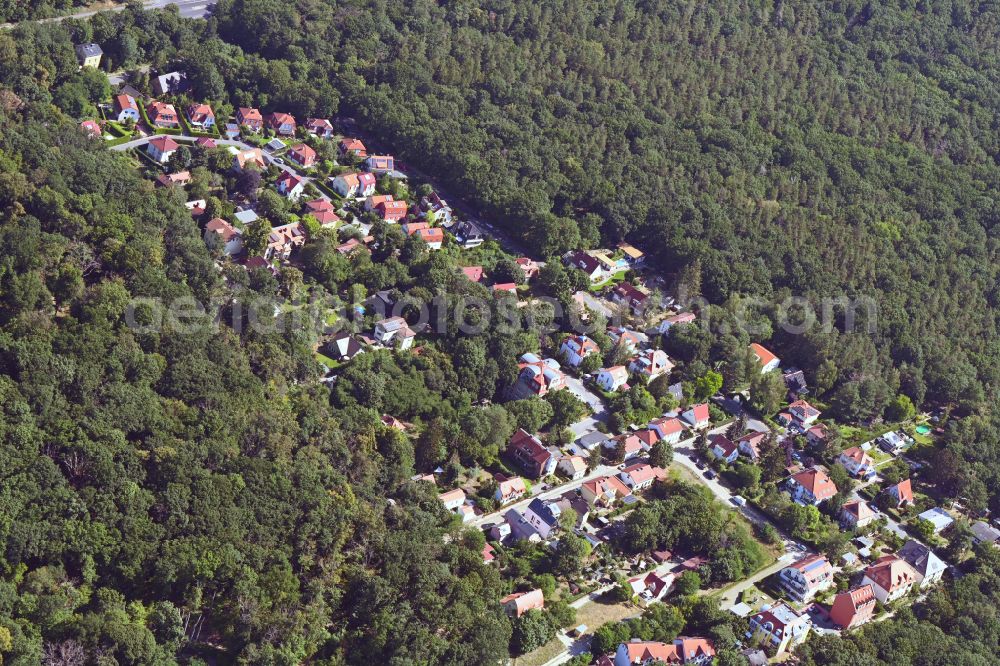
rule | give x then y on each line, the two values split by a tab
155	490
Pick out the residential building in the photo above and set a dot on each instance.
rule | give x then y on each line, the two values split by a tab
290	185
126	109
320	127
630	295
391	211
452	499
92	128
765	358
519	603
641	476
531	455
818	435
857	462
171	83
985	533
856	514
282	124
250	118
634	256
781	626
379	163
651	364
200	116
222	234
468	234
723	448
509	488
353	147
161	114
89	55
589	264
800	414
806	578
573	467
901	493
630	443
283	240
663	328
322	211
529	266
302	154
684	650
504	288
538	377
612	379
434	204
795	381
394	331
698	416
543	516
249	158
651	586
206	142
890	577
351	185
938	517
628	339
178	179
604	491
853	608
749	444
343	347
473	273
575	348
668	428
161	148
929	567
811	486
433	236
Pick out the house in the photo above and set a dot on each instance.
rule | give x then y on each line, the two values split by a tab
538	377
806	578
984	533
818	435
473	273
765	358
205	142
573	467
799	414
161	114
350	185
171	83
795	381
282	240
612	379
890	577
519	603
89	55
92	128
509	488
180	179
697	416
749	444
781	626
433	236
629	340
723	448
379	163
126	109
231	131
631	296
592	440
391	211
811	486
937	517
543	516
320	127
161	148
302	154
928	566
651	586
250	118
452	499
641	476
343	347
663	328
290	185
604	491
395	331
322	211
853	608
246	216
529	267
648	437
282	124
352	147
504	288
901	493
434	204
856	514
468	235
857	462
578	347
200	116
683	650
651	364
634	256
489	554
228	237
249	158
668	428
589	264
630	443
531	455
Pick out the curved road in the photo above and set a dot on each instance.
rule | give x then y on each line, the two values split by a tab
186	8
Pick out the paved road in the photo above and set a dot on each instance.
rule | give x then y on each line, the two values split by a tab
598	413
186	8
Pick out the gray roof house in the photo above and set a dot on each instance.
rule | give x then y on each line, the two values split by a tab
928	565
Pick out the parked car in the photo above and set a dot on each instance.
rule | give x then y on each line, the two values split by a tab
738	500
710	474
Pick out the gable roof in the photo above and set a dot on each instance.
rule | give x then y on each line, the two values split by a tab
858	509
816	482
903	491
921	558
764	355
474	273
891	573
641	472
164	143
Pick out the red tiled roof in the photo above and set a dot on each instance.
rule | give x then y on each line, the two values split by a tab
816	482
764	356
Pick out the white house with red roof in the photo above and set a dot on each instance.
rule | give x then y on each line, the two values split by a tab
630	295
669	428
853	608
320	127
251	158
650	364
509	488
683	650
749	443
200	116
250	118
452	499
604	491
856	514
572	467
350	146
697	416
290	185
811	486
282	124
391	210
92	128
901	493
891	578
800	413
473	273
302	154
781	626
575	348
529	452
126	108
537	376
804	579
723	448
663	328
161	114
228	237
857	462
818	434
651	586
282	240
612	379
519	603
358	184
641	476
379	163
161	148
765	358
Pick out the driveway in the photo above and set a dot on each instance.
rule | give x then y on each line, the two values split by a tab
598	412
594	303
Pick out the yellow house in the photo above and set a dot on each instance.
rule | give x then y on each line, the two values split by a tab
89	55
